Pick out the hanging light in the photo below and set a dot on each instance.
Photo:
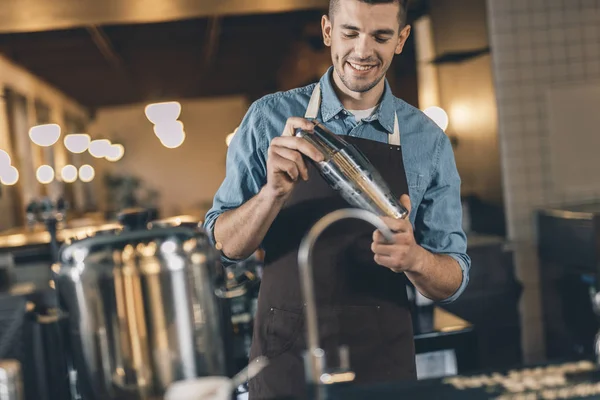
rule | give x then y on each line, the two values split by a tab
5	160
166	129
45	135
229	137
163	112
99	148
10	176
173	140
115	153
77	142
86	173
438	115
69	173
45	174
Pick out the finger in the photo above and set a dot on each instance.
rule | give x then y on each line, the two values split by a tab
383	249
294	123
293	156
286	166
405	201
300	145
398	238
394	224
385	261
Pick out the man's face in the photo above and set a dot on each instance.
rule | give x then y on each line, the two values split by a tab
364	39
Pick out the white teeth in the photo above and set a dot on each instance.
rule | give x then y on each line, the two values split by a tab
361	67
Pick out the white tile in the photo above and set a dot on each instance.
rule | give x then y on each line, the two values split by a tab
592	15
543	72
559	53
531	125
522	20
538	6
588	5
573	34
592	51
556	4
593	70
559	72
573	16
575	53
540	20
524	56
576	71
591	33
518	6
556	18
496	7
557	36
528	91
539	37
505	23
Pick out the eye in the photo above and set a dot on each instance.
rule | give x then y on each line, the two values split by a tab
349	35
380	39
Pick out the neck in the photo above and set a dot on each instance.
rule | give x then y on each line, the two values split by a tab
357	100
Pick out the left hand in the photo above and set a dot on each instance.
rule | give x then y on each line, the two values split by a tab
402	255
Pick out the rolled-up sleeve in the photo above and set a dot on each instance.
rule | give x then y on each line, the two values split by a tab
245	171
438	223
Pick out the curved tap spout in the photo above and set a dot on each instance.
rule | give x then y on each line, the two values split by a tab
314	360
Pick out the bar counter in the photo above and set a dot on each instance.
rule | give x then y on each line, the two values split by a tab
570	380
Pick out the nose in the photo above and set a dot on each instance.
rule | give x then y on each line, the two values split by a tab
363	47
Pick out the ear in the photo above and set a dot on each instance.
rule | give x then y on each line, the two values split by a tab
404	34
326	28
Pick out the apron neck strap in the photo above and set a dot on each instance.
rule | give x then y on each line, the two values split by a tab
315	103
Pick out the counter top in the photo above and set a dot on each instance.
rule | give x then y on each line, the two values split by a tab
440	323
573	380
23	237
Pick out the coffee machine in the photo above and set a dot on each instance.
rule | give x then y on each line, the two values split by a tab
147	307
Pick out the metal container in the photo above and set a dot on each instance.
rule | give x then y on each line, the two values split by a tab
11	386
347	170
143	311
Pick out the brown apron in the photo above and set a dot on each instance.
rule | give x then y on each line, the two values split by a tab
360	304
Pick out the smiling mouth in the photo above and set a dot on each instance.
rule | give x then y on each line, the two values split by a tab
361	67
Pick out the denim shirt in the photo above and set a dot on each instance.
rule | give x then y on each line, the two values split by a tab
433	180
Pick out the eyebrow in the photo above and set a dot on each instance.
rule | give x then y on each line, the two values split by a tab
377	32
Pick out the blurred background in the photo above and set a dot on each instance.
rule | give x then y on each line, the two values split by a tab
514	83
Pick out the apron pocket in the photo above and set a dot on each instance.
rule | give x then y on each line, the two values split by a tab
398	339
356	327
283	328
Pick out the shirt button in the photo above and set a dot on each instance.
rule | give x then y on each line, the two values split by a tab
337	117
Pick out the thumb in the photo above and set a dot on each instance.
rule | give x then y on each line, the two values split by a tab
405	201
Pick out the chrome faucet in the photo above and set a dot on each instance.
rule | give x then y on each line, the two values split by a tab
314	360
595	298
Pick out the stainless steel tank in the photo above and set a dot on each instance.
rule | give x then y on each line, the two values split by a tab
144	310
11	384
347	170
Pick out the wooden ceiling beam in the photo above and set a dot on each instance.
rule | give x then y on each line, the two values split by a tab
45	15
211	45
106	48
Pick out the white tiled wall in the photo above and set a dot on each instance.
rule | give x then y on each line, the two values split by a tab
536	45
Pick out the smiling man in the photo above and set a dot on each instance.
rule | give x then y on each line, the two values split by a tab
272	195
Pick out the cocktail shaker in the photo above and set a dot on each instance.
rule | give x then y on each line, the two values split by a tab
347	170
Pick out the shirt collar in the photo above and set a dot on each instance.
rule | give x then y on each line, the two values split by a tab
331	105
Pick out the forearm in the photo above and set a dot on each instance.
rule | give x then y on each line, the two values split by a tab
239	232
436	276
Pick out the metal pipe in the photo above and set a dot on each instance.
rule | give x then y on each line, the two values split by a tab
315	357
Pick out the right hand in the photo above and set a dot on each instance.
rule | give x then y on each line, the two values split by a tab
285	165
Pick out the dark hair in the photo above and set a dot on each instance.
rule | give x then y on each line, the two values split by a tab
333	4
